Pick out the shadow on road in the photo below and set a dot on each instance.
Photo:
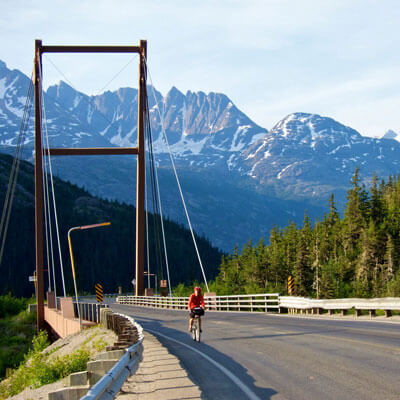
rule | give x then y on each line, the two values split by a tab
213	383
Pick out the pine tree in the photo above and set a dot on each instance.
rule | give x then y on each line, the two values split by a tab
278	267
302	268
391	265
263	271
367	275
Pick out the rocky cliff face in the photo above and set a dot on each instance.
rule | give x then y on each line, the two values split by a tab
313	155
303	158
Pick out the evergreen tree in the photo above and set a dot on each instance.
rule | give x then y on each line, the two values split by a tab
367	266
353	256
302	268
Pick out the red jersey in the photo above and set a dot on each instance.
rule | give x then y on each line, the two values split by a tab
196	301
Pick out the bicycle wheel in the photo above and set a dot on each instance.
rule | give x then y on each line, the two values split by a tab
194	329
198	334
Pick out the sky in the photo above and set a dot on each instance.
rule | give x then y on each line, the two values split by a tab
336	58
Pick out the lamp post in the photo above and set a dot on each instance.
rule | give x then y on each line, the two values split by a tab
76	228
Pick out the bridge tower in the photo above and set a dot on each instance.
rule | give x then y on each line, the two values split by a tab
139	151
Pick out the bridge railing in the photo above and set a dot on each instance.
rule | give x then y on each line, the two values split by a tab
387	304
89	311
247	302
270	302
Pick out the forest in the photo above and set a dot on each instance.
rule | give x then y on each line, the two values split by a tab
105	255
353	255
350	254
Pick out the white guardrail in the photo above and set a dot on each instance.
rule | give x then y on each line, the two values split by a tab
246	302
386	304
268	302
109	386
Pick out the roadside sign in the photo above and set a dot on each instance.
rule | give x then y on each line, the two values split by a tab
32	279
99	292
291	285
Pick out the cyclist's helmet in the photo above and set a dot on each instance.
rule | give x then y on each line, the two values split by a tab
197	288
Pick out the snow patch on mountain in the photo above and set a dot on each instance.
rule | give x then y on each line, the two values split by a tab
3	87
238	145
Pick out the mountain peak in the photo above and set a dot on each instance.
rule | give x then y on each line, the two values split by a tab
62	90
173	92
303	126
390	134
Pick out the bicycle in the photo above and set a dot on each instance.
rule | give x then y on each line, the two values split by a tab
196	328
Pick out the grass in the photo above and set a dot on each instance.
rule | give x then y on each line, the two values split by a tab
17	329
99	344
37	369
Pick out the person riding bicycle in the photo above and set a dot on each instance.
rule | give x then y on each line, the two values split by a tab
196	307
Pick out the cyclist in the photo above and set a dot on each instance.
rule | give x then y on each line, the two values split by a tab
196	307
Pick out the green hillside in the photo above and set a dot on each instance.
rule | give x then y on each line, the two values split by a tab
105	255
354	255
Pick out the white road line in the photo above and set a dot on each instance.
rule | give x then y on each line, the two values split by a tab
250	394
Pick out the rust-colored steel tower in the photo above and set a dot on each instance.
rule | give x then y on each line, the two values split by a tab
40	152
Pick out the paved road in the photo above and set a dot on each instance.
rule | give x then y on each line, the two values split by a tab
281	357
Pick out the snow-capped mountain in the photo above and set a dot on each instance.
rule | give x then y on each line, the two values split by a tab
13	91
236	175
63	128
311	156
202	130
112	115
390	134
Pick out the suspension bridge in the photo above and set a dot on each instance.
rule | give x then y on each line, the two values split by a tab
46	218
257	356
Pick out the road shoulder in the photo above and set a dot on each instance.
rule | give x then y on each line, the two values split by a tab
160	376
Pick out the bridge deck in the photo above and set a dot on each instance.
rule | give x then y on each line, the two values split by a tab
282	357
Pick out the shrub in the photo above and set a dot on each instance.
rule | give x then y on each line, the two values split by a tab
10	305
16	333
37	370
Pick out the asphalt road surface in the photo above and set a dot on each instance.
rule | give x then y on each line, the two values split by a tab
262	356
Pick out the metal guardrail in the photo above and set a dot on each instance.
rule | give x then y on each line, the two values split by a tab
89	311
269	302
93	296
109	386
247	302
386	304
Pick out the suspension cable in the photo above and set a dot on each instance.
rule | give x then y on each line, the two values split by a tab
158	190
156	213
47	220
156	221
177	180
118	73
12	182
88	99
147	230
46	224
53	193
47	210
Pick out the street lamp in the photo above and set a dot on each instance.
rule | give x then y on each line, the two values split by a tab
76	228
